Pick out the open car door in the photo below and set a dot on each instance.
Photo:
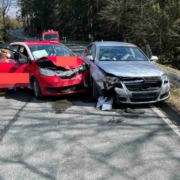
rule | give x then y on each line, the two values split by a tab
14	71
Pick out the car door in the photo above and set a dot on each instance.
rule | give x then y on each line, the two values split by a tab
14	72
95	72
90	52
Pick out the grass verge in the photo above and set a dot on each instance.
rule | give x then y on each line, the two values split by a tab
168	68
174	99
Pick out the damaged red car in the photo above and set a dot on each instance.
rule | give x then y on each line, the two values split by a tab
47	78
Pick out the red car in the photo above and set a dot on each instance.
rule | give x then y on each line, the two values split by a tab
42	60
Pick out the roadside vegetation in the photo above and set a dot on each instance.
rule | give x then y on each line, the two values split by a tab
174	99
6	22
153	22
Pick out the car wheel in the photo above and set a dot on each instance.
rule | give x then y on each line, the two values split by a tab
9	90
95	90
37	89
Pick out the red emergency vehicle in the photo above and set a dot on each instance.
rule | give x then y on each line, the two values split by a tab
50	35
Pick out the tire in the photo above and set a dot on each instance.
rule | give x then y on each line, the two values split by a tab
95	90
9	90
37	89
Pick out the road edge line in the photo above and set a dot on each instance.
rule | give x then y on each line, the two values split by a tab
166	120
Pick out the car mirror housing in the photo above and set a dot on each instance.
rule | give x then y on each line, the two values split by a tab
89	58
22	60
154	58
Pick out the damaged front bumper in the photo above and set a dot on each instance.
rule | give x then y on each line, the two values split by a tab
125	96
57	86
57	80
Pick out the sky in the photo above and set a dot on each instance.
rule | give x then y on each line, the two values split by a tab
13	9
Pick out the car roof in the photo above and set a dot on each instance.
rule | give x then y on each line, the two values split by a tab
113	43
31	43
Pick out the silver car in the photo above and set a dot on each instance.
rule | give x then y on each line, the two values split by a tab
123	70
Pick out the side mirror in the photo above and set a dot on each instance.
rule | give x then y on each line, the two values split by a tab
89	58
22	60
154	58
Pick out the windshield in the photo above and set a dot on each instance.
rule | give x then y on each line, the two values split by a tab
120	53
50	37
39	51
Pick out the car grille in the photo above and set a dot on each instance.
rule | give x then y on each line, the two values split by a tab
143	84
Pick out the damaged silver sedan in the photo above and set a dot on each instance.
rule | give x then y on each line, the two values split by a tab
123	71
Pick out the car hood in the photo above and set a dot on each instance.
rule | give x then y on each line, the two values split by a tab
130	68
53	59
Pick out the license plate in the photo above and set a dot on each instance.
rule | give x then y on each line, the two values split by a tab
142	95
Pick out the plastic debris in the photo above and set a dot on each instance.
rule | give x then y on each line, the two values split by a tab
107	105
100	101
135	111
115	120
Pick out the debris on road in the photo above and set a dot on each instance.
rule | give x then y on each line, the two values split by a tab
134	111
106	105
61	105
113	120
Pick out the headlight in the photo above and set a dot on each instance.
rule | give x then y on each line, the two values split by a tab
47	72
112	79
164	79
83	67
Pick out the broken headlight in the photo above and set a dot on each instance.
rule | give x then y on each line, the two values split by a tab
47	72
164	79
83	67
112	79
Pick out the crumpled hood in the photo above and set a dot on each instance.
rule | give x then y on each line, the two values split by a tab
130	68
54	61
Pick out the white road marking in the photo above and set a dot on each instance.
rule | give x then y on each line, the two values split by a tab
166	120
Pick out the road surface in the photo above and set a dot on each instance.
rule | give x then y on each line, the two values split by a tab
67	138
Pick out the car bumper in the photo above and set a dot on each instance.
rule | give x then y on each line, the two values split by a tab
56	86
125	96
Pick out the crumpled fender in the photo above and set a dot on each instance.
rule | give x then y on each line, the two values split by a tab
97	74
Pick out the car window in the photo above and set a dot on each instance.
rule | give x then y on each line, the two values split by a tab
120	53
93	50
42	50
14	47
23	51
89	50
51	36
20	52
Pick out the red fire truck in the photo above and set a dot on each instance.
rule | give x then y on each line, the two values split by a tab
50	35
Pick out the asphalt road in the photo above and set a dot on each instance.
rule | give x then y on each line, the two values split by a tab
67	138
